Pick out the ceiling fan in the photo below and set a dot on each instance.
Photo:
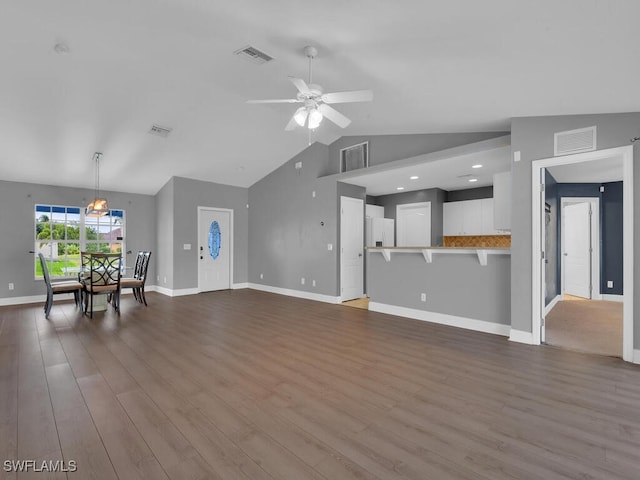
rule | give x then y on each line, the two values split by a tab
316	102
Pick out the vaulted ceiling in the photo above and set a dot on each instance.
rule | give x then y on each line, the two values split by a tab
454	66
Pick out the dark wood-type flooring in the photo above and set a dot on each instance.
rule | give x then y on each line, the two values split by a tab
250	385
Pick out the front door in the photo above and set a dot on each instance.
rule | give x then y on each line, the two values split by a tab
577	249
351	248
214	249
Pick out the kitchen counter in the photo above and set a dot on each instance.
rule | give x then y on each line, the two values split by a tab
428	252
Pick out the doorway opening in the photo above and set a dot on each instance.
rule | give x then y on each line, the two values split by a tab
573	304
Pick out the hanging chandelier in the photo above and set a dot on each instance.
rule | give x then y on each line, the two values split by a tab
98	207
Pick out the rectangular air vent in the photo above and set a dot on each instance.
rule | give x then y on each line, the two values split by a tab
354	157
574	141
160	131
253	55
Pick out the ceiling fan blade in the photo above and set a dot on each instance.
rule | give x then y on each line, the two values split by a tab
283	100
348	97
300	84
334	115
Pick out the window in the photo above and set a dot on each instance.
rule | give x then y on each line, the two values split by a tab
61	233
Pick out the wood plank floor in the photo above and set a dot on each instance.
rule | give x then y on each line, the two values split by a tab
249	385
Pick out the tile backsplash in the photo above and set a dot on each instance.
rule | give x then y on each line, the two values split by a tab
502	241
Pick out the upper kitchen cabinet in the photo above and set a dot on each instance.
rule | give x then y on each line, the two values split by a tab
502	201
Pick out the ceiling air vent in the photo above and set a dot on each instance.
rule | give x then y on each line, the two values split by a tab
253	55
574	141
160	131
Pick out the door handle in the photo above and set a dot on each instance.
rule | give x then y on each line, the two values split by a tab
201	257
565	254
359	254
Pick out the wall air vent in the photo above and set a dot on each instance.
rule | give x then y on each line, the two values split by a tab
253	55
160	131
574	141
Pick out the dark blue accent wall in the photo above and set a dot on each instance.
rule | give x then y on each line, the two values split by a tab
611	260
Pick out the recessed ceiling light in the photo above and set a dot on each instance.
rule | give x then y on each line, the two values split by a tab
399	188
473	180
413	177
476	166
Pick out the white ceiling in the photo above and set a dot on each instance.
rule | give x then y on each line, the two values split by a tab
452	173
454	66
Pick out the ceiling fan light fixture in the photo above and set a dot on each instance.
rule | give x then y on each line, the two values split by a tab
301	116
315	117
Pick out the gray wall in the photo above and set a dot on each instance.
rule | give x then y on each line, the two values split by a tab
289	229
188	195
469	194
164	221
388	148
434	195
18	201
533	138
455	284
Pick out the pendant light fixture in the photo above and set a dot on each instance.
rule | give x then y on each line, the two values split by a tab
98	207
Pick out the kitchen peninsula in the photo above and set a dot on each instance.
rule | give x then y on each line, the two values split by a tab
466	287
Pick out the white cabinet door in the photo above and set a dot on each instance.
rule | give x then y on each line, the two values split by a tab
502	201
472	217
487	217
452	219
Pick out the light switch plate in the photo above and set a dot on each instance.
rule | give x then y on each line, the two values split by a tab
187	246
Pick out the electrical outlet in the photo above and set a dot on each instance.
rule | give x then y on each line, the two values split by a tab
330	246
302	281
313	283
313	194
165	279
158	278
423	297
610	284
11	286
262	276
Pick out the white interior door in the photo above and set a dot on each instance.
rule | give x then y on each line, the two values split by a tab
413	223
214	249
351	248
577	249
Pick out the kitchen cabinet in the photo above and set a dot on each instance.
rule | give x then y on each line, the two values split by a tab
502	201
469	217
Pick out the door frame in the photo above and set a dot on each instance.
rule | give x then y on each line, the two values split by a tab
216	209
342	242
406	206
596	264
537	250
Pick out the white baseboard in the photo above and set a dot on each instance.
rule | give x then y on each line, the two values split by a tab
612	298
521	337
295	293
237	286
441	318
175	293
4	302
552	303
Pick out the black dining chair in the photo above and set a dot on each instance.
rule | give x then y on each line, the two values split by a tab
103	278
139	278
54	288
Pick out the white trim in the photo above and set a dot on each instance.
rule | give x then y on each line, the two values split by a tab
442	319
519	336
594	202
230	212
295	293
636	356
609	297
237	286
31	299
176	293
552	304
626	153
